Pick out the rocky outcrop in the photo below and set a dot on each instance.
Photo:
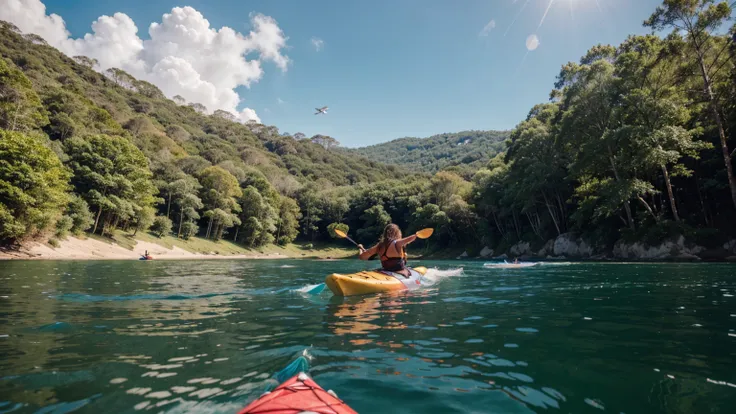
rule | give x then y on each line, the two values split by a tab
547	249
730	247
668	250
487	251
569	245
520	249
462	256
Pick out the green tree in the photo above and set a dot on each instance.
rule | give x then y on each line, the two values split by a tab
78	211
655	113
698	19
374	220
539	168
258	218
445	184
184	194
112	175
144	219
20	107
63	226
287	225
33	186
161	226
219	194
188	230
310	205
600	156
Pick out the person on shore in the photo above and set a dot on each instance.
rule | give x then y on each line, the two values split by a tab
390	249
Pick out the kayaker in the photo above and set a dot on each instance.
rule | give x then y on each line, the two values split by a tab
390	249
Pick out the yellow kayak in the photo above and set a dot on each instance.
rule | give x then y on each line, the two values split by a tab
371	281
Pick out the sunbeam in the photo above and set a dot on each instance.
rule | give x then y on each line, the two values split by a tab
515	18
549	6
572	14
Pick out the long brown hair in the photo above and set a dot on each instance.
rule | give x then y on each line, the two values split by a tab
390	233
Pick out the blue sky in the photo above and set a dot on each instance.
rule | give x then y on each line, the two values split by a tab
389	69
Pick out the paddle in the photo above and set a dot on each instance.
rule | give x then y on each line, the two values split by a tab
343	235
421	234
425	233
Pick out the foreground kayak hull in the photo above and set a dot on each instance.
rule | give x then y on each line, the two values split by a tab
368	282
297	395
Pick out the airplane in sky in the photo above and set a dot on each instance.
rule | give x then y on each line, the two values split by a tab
322	110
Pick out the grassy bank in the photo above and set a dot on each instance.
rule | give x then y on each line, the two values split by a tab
228	248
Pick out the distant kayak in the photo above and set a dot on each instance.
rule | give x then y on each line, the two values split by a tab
146	258
373	281
509	265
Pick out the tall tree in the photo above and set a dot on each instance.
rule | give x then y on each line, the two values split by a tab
112	175
287	225
600	156
33	186
654	111
698	19
219	194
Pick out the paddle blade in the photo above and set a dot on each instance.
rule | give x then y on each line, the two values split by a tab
340	233
425	233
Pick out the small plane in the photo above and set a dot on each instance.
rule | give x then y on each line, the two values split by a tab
322	110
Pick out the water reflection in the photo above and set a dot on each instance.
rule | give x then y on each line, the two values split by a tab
208	336
354	315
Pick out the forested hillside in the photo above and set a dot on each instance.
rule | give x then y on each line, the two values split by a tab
112	152
463	152
635	144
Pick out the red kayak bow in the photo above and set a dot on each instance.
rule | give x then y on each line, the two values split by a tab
298	394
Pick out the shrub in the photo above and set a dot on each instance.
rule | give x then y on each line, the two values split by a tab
161	226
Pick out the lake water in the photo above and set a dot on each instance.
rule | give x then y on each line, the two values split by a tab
206	336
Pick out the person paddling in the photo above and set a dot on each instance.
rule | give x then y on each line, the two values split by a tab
390	249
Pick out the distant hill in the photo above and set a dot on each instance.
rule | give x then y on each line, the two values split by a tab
464	151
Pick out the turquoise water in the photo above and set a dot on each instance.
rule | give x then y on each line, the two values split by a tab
207	336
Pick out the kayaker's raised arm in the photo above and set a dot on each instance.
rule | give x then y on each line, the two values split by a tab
366	254
406	240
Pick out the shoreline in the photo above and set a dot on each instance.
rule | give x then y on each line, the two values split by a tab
127	248
74	248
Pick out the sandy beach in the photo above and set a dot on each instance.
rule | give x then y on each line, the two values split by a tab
90	249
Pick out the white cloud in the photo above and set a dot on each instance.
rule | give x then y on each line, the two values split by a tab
280	101
487	28
30	17
184	55
317	43
532	42
249	115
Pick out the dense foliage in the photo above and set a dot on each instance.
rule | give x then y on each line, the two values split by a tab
632	142
33	185
105	151
462	152
635	144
